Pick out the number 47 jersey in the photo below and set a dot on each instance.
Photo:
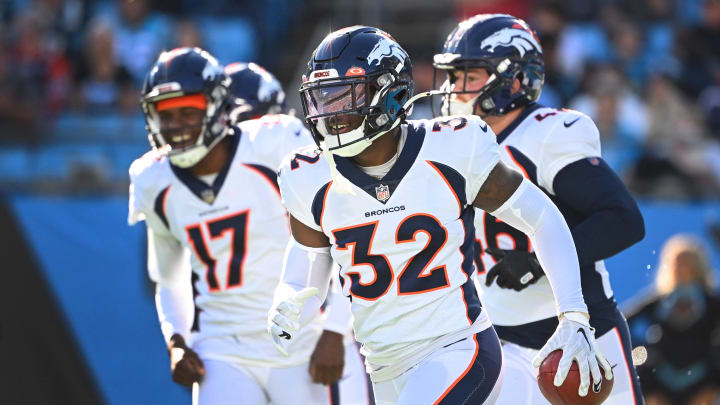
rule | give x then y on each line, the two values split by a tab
404	243
235	229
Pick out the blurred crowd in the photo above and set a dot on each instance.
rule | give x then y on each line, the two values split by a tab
647	71
675	328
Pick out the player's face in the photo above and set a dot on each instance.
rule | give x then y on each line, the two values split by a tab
180	127
470	82
334	100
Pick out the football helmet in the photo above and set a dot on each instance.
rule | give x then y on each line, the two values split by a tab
503	45
356	87
185	72
256	92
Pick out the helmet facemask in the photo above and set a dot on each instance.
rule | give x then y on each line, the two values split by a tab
213	128
483	103
346	114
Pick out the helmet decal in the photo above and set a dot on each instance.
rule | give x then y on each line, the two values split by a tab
507	48
519	38
384	49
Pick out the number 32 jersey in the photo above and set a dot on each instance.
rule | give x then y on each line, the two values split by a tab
235	229
404	243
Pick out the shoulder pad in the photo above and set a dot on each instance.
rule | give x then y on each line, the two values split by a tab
302	173
148	175
273	136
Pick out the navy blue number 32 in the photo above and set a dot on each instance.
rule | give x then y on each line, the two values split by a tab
413	279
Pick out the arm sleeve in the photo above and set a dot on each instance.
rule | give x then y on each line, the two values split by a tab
339	314
169	267
532	212
485	155
612	221
303	267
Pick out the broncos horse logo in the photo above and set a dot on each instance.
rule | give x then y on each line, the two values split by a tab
519	38
384	49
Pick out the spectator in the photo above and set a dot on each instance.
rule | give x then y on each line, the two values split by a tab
140	36
620	115
34	79
187	35
699	50
679	325
101	81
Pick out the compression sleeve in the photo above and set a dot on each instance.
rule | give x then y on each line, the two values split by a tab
339	312
612	221
531	211
169	267
303	267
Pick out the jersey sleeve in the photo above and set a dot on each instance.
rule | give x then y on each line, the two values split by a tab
484	155
274	136
297	187
144	179
565	144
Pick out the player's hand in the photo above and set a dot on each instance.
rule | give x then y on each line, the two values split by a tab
576	339
185	364
284	318
514	269
328	359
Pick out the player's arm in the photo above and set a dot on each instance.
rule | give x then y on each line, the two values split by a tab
612	221
328	359
303	285
506	195
168	266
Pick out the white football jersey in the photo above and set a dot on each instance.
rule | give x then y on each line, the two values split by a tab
404	243
539	143
236	230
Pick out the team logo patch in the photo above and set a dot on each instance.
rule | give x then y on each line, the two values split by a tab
382	193
355	71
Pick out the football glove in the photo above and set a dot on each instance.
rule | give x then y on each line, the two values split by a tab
284	318
576	338
515	269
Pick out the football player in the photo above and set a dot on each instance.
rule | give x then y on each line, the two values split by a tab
494	68
258	101
209	195
392	203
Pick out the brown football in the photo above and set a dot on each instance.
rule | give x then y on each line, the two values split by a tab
567	394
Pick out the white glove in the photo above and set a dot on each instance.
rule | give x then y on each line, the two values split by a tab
576	339
284	318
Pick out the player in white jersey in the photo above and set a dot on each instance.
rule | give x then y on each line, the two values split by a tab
258	99
208	192
391	201
494	68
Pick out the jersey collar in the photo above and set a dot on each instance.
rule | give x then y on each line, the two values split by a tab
369	184
517	121
203	191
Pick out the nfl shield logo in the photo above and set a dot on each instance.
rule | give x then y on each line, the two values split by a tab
382	193
208	196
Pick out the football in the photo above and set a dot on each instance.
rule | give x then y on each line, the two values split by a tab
567	394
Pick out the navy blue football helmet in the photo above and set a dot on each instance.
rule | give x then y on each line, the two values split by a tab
503	45
186	72
357	83
255	90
